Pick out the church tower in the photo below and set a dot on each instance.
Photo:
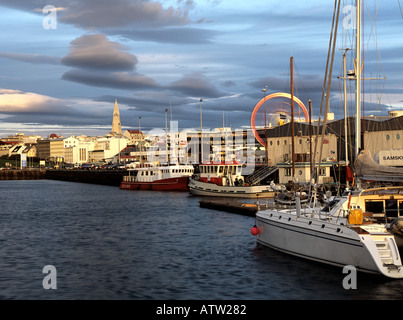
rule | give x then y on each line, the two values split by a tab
116	126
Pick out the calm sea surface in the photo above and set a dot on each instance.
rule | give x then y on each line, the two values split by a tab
107	243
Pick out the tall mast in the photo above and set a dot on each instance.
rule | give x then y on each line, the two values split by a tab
358	80
345	105
292	117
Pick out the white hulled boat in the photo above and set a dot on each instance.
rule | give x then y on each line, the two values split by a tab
225	179
158	178
326	235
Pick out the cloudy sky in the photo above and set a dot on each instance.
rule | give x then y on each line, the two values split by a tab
63	63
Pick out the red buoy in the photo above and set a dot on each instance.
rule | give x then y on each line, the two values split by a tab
254	231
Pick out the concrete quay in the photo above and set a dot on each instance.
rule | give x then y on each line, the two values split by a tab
23	174
105	177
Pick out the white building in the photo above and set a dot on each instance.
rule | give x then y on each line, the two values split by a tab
77	149
107	147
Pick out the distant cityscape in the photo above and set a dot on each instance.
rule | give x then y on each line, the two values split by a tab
133	147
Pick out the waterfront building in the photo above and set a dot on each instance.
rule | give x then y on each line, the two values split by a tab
380	135
43	149
28	150
107	147
134	136
5	147
20	137
77	149
56	150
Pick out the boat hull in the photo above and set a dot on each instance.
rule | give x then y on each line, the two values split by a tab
328	242
200	188
171	184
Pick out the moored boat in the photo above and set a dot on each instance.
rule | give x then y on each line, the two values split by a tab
159	178
331	235
225	179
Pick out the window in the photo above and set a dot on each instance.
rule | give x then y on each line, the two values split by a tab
397	136
391	208
288	172
322	172
387	137
374	206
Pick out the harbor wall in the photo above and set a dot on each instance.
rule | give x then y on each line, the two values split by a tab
22	174
112	177
105	177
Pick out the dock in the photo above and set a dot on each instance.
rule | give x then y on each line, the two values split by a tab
235	206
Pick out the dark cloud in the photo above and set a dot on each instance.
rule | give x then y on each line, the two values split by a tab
175	35
105	13
196	85
95	51
117	80
99	62
30	58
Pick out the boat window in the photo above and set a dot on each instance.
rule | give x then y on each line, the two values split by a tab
391	208
329	206
374	206
400	208
220	169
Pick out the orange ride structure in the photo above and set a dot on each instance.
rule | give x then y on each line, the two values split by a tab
280	99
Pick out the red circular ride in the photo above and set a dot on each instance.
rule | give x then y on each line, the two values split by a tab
267	98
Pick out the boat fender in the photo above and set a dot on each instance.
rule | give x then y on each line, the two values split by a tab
356	216
254	231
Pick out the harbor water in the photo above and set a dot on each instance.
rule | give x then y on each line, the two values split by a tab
107	243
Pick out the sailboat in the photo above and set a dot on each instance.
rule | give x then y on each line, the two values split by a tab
336	234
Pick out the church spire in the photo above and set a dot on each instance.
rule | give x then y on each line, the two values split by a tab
116	126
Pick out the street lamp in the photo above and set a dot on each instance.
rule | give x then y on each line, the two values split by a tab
140	139
166	136
201	131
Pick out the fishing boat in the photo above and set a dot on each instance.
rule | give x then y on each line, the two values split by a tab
224	179
158	178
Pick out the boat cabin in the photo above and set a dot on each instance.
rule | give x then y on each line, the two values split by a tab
222	174
381	202
150	174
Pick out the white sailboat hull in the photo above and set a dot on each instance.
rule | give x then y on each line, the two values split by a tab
329	243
